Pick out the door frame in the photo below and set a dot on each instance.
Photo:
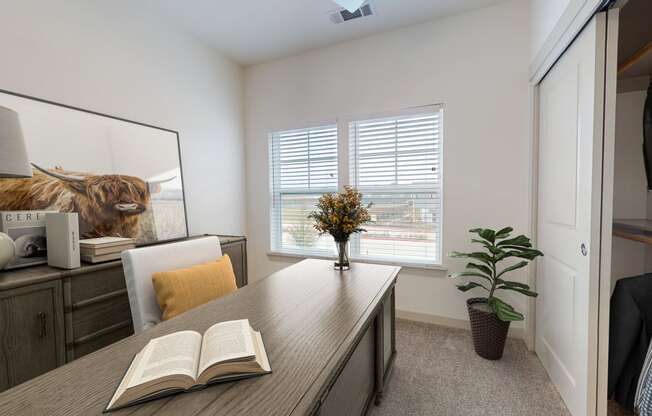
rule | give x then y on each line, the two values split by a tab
609	139
533	198
571	22
599	311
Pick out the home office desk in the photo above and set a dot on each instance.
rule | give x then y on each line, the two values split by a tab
330	338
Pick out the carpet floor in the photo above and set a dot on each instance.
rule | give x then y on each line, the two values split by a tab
436	372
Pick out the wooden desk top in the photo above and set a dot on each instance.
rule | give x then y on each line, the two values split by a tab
310	317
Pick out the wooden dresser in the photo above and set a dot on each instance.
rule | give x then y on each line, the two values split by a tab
49	316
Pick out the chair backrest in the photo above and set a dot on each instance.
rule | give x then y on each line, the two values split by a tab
141	263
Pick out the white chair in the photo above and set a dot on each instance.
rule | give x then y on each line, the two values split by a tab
141	263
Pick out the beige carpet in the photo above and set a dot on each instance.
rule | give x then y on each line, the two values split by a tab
437	373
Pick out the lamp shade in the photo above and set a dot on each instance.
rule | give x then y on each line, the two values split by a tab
13	153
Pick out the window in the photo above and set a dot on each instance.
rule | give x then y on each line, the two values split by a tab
303	165
394	161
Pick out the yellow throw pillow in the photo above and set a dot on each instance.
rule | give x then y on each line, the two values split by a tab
180	290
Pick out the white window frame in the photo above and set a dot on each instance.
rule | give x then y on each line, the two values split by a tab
344	177
276	239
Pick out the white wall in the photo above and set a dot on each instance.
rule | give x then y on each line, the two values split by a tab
544	15
110	57
630	183
474	63
553	26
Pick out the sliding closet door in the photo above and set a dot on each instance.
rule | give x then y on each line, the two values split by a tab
570	135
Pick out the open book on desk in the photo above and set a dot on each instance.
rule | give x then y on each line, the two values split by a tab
184	361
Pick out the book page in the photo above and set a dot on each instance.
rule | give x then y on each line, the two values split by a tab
173	354
261	354
122	387
226	341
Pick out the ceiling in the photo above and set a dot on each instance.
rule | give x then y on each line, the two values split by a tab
255	31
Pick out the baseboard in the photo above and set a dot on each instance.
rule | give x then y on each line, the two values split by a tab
518	333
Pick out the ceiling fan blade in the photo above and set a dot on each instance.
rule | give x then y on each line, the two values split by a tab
350	5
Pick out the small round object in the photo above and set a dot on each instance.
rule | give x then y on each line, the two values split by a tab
7	250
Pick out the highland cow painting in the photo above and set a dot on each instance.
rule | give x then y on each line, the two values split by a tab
123	178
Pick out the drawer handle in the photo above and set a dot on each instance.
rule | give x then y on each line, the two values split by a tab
44	329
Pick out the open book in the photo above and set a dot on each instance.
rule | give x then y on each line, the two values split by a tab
185	360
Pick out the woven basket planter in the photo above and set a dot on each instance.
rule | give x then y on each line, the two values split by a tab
489	333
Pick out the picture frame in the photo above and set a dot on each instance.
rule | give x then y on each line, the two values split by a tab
123	177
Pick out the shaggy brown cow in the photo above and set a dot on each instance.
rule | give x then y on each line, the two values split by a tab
108	205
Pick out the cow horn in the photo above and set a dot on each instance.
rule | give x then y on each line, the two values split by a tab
66	178
160	181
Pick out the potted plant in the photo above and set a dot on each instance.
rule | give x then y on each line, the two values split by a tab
490	316
340	215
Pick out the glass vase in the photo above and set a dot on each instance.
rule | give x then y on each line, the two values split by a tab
342	262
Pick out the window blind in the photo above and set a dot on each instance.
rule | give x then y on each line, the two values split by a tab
303	165
396	163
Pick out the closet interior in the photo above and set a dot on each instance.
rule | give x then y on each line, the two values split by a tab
630	355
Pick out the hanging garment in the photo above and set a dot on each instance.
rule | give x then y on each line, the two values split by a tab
630	330
647	135
643	401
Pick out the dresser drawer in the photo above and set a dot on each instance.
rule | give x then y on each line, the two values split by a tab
102	339
90	285
97	311
97	316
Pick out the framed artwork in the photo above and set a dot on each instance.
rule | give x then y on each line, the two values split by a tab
123	178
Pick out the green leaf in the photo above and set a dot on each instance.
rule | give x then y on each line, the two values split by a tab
488	234
512	247
504	310
529	254
470	274
484	269
483	257
469	286
513	283
489	246
495	250
504	255
483	233
521	241
513	267
519	290
483	242
503	233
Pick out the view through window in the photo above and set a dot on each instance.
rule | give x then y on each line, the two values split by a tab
396	162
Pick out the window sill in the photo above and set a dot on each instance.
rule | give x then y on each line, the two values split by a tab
420	266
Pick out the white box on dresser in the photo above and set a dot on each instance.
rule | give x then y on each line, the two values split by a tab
62	229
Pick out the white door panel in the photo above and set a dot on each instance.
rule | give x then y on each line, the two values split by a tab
560	128
570	175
